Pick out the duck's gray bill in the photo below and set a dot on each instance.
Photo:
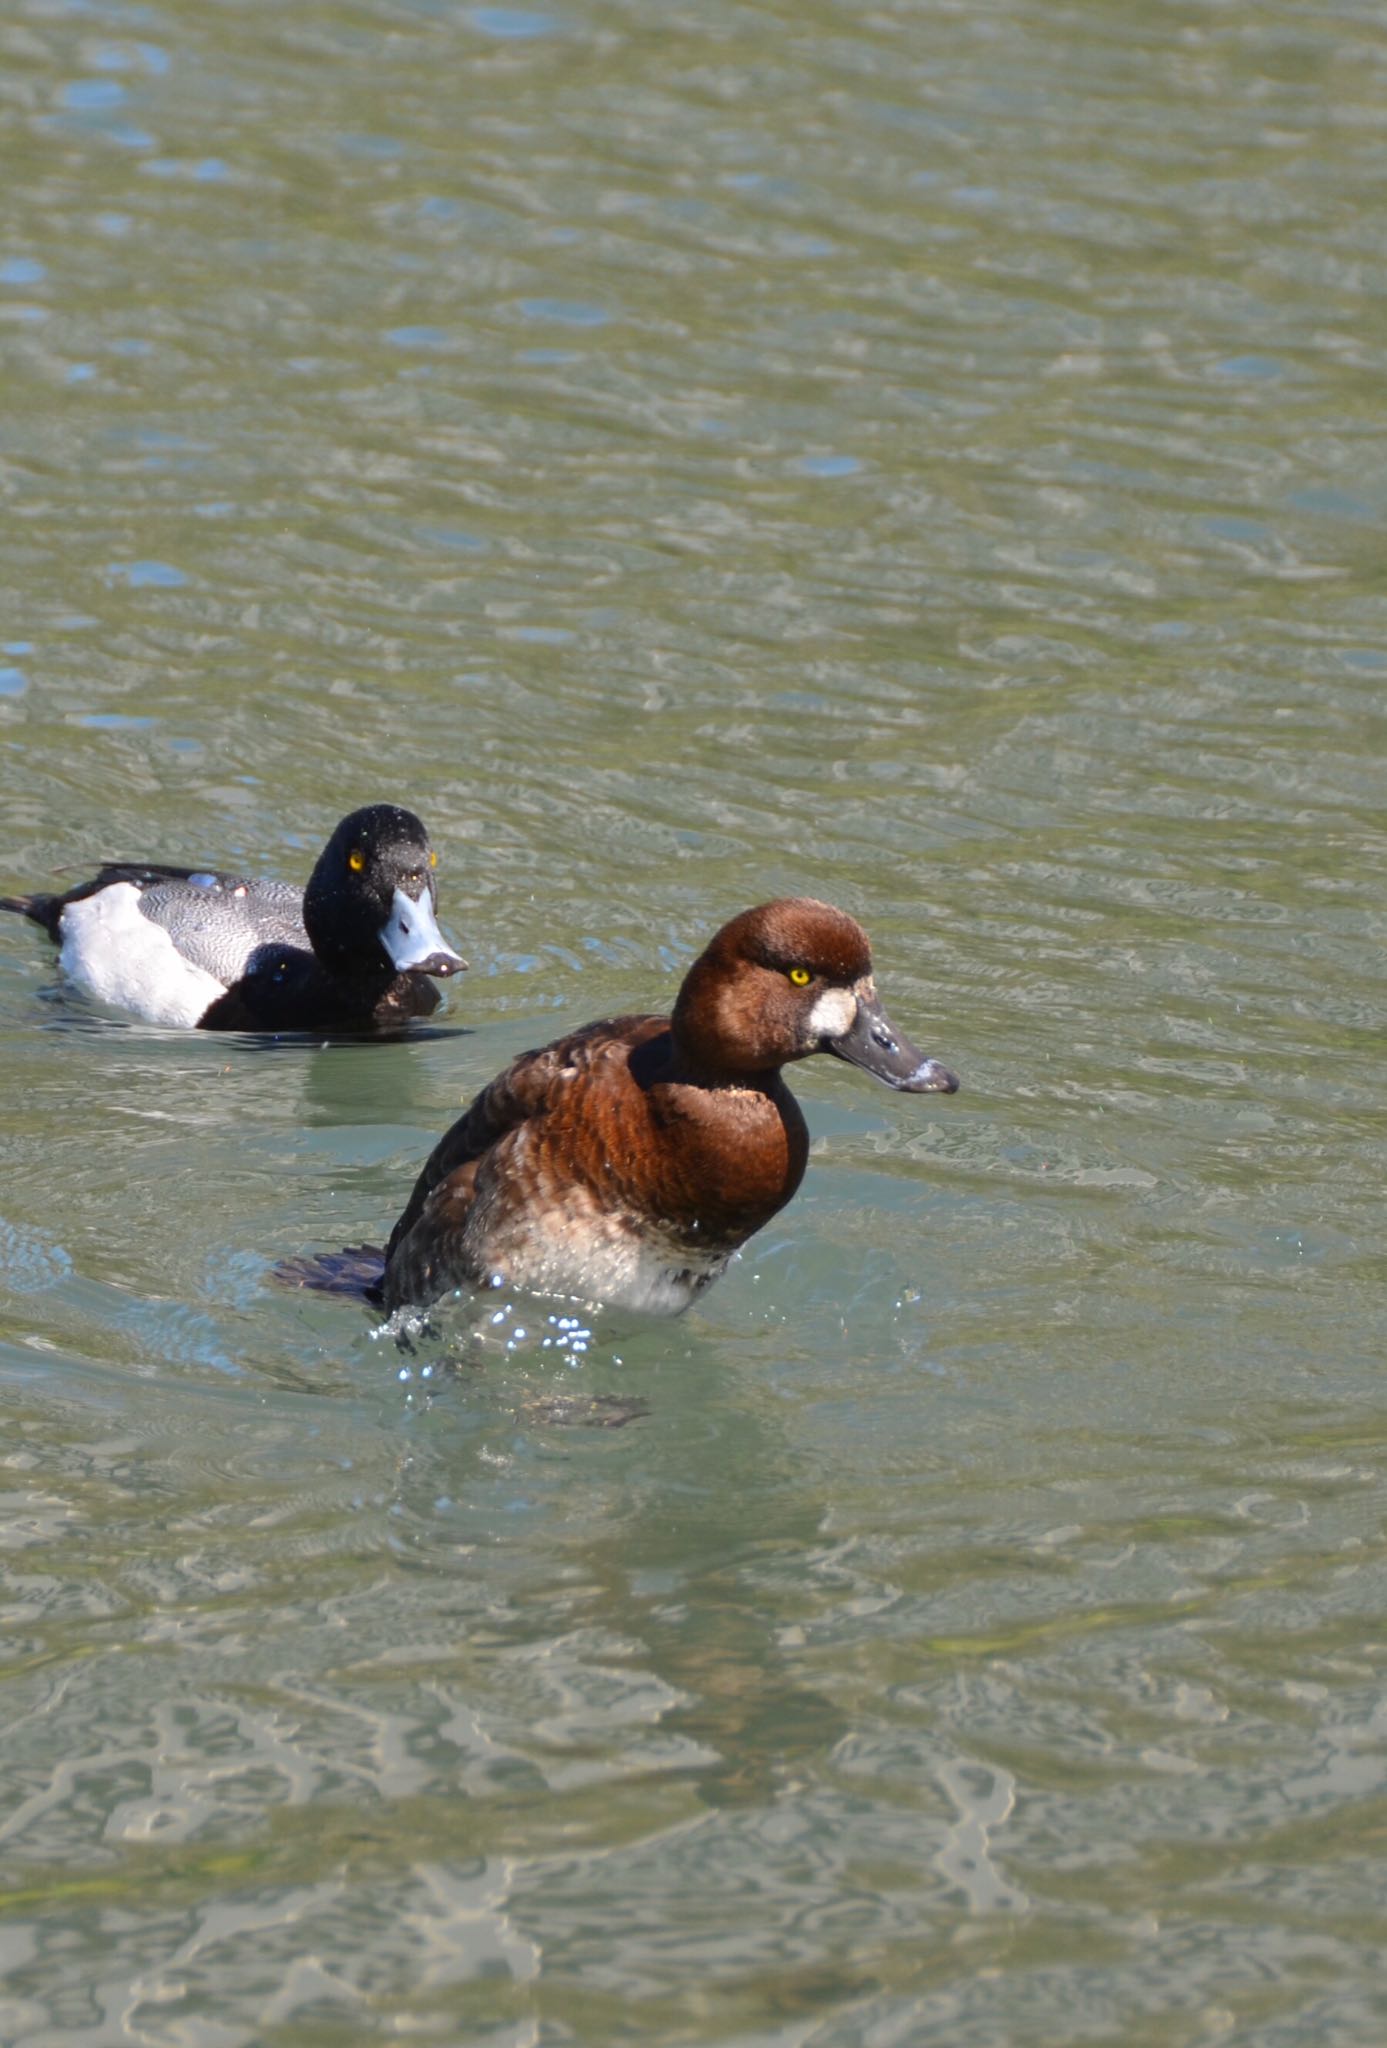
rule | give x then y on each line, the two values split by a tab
413	942
873	1043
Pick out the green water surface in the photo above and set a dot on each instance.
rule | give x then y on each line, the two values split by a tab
925	455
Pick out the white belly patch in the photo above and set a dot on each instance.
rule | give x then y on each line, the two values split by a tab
113	951
588	1253
654	1279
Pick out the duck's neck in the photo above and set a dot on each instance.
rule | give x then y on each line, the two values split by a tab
343	949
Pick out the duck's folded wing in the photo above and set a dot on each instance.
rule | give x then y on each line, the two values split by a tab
214	920
221	923
47	909
533	1085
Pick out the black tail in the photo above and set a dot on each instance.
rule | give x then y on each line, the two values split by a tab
44	910
356	1272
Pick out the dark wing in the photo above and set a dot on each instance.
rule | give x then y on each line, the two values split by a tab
532	1086
214	920
46	910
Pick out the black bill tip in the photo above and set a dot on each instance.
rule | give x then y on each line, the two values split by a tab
441	965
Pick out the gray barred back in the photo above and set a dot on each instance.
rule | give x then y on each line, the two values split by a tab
218	921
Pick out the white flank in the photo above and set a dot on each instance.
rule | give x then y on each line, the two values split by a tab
590	1254
113	951
649	1278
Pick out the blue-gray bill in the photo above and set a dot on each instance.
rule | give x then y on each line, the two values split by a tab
873	1043
413	941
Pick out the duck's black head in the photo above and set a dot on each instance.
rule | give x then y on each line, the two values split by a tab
371	901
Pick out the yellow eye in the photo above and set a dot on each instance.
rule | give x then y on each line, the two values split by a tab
801	977
356	860
433	858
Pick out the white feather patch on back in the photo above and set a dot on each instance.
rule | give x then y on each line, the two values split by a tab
111	949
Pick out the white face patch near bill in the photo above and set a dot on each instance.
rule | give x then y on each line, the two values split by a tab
834	1013
120	956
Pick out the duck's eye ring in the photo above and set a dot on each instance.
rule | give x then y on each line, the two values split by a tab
800	976
356	860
